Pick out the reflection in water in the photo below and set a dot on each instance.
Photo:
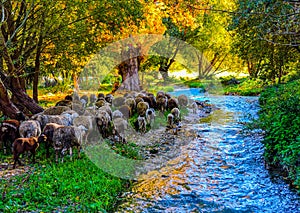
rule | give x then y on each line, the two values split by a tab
222	171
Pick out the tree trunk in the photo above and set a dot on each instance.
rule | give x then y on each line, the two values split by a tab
129	68
6	106
37	66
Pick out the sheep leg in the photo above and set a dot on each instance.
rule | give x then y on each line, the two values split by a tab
16	159
47	149
78	150
71	153
56	155
33	156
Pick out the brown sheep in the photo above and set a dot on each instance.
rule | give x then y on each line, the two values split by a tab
131	103
172	103
183	100
150	101
103	122
142	108
118	101
8	133
66	103
176	113
138	100
142	124
56	110
100	103
126	111
162	103
21	145
160	94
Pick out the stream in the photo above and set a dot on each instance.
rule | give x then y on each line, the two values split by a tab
220	171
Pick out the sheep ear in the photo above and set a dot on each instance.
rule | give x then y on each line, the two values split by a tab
3	129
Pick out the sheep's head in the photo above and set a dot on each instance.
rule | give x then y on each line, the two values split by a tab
42	138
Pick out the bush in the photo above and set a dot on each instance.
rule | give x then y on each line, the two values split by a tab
280	118
246	87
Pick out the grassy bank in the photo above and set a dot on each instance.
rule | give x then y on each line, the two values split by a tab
71	186
280	118
230	86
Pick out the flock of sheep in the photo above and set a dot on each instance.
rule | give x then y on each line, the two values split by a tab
72	122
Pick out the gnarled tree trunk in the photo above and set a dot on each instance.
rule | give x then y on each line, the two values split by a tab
129	68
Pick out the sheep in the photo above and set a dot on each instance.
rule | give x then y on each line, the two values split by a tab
30	128
176	113
66	103
8	133
117	114
106	109
170	120
171	123
70	115
161	103
131	103
75	96
160	94
103	122
141	124
120	125
126	111
48	132
150	100
84	97
138	100
109	98
66	137
150	116
21	145
183	100
93	99
87	122
78	107
56	110
100	95
118	101
100	103
194	106
58	119
69	98
172	103
141	108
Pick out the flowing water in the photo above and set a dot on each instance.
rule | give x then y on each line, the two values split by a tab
221	171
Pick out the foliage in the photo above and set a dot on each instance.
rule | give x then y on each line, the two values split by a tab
246	87
280	118
265	37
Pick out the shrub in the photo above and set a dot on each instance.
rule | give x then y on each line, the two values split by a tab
280	118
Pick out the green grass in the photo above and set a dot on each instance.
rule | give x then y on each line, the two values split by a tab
70	186
247	87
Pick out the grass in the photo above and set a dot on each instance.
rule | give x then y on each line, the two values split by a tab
247	87
70	186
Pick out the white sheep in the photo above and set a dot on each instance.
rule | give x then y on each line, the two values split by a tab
150	116
120	126
30	128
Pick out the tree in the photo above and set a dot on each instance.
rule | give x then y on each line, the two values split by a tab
63	34
267	36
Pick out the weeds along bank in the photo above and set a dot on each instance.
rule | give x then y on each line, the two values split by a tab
280	118
66	187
